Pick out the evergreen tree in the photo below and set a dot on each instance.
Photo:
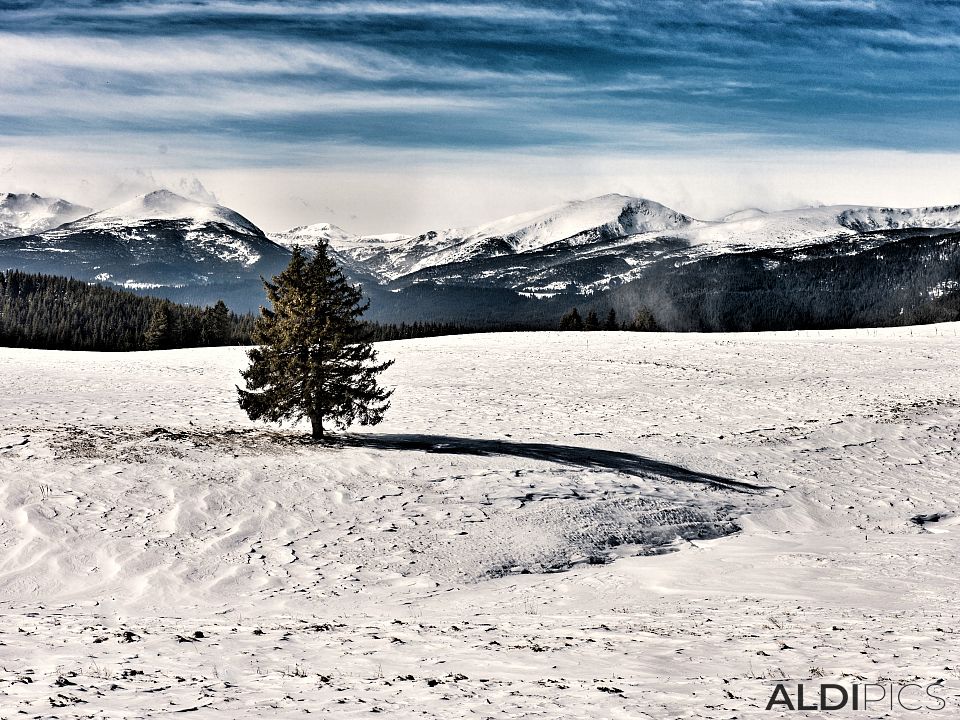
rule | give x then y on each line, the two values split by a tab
160	331
313	360
571	321
644	321
611	321
592	322
215	324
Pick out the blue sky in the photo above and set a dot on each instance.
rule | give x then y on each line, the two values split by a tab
298	110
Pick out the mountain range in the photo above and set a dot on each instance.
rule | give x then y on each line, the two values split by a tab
612	251
593	245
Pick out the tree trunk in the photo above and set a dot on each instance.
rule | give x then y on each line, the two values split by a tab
316	422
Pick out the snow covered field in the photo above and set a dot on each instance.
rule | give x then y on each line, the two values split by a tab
160	554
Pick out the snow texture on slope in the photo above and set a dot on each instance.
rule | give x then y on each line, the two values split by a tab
166	205
146	240
159	553
307	236
23	214
579	222
808	226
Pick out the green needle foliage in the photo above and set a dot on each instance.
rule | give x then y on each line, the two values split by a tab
312	359
159	335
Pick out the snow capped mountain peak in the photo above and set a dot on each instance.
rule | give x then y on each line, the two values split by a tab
322	228
587	244
619	213
163	200
307	236
618	235
167	205
26	214
572	224
159	239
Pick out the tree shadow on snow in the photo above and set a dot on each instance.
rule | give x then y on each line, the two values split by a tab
584	457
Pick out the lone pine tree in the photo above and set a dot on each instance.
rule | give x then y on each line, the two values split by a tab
312	359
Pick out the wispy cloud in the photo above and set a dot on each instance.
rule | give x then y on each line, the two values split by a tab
240	82
218	55
147	8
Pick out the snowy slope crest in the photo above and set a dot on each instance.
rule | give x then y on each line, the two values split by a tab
578	222
166	228
745	214
867	219
166	205
26	214
757	230
307	236
620	214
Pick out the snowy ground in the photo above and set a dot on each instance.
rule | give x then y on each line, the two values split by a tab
160	554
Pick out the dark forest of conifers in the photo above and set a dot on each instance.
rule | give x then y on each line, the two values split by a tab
56	313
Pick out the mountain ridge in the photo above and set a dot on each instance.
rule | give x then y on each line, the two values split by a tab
28	213
620	234
574	252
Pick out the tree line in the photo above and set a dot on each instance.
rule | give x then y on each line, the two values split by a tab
642	321
57	313
907	278
379	332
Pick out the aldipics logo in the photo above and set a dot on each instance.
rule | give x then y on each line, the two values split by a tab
857	696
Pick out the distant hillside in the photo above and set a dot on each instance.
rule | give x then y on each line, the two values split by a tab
884	278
